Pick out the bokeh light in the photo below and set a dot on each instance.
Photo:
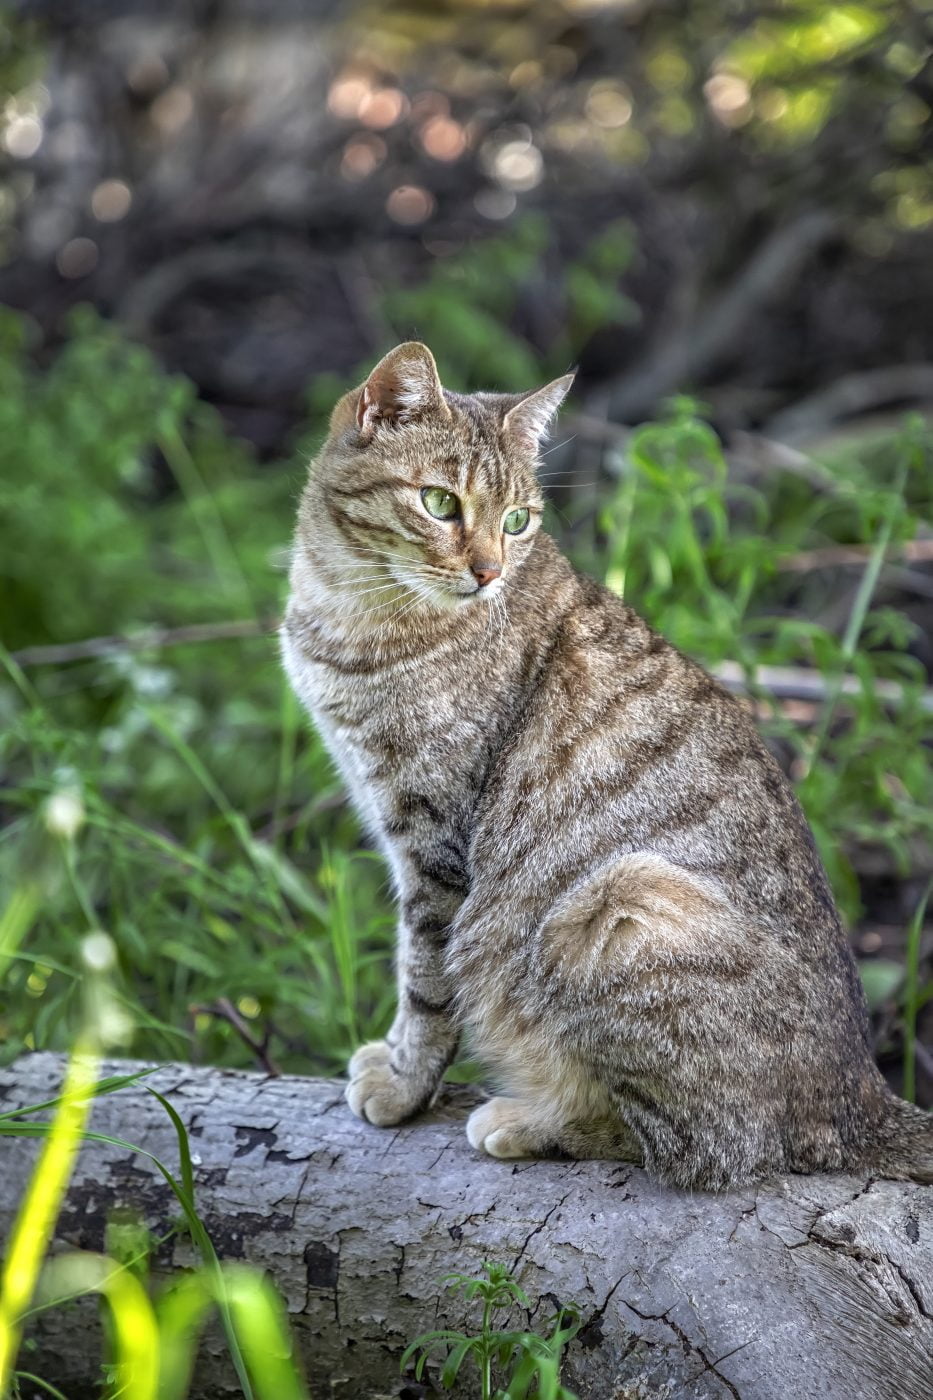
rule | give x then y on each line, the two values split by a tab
443	138
361	156
410	204
111	200
172	110
23	136
729	98
609	104
77	258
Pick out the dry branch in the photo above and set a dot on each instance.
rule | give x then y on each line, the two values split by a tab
151	638
687	354
853	394
804	1286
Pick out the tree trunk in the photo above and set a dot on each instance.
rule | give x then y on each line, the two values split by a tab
807	1286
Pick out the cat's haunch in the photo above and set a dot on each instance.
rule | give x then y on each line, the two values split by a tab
602	875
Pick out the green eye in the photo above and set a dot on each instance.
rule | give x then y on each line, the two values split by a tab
443	505
516	520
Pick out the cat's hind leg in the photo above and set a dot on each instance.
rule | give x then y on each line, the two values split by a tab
635	1023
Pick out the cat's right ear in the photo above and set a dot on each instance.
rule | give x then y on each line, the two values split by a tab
404	386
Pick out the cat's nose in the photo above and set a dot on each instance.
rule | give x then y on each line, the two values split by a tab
485	573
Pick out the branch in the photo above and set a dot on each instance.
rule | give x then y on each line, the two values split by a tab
152	638
852	394
806	1285
689	352
796	683
837	556
224	1009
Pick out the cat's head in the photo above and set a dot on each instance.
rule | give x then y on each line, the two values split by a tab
426	495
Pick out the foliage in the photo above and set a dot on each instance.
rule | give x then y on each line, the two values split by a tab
531	1360
164	753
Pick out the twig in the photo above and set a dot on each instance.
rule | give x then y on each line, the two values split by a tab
853	393
924	1059
833	556
796	683
690	352
224	1010
151	638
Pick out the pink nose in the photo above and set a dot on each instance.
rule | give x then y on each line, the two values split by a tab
485	573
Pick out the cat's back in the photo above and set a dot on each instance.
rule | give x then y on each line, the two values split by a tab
628	745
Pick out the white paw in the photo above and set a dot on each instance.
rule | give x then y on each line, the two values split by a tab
375	1052
377	1092
500	1127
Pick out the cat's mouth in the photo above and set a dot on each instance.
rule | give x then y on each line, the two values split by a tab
479	593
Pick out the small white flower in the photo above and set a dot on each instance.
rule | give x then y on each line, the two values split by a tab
98	951
64	814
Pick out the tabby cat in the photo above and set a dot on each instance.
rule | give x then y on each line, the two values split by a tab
601	872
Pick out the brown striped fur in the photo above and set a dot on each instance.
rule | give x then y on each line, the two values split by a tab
601	873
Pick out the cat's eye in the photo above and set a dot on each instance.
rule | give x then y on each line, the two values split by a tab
443	505
516	520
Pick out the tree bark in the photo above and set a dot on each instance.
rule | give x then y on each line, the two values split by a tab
802	1287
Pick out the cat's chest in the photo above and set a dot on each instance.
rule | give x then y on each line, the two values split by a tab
420	727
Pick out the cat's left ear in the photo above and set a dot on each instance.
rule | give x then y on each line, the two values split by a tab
530	419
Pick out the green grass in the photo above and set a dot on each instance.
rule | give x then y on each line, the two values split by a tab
212	843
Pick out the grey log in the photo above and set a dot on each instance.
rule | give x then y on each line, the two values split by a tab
804	1287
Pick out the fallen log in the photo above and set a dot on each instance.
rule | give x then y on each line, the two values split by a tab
802	1287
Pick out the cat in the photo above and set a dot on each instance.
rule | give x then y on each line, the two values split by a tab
601	872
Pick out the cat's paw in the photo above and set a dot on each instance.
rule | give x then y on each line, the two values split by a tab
377	1091
501	1127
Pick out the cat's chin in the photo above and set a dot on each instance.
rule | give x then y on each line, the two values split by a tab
478	596
450	599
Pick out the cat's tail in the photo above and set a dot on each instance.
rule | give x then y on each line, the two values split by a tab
902	1144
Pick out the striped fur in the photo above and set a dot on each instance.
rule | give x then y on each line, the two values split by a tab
601	873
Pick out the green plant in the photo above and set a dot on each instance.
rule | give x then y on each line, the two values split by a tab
531	1359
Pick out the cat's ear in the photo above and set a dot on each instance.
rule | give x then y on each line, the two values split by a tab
530	418
403	386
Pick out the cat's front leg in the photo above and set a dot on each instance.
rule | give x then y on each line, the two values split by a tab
395	1078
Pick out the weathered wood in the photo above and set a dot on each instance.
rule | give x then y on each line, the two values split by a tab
805	1287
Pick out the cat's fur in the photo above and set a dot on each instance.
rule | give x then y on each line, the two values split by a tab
600	870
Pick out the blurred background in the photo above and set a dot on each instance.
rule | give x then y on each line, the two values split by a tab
215	215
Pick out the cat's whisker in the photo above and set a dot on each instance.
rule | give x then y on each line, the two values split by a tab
421	596
376	608
566	443
396	556
365	578
423	570
384	588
